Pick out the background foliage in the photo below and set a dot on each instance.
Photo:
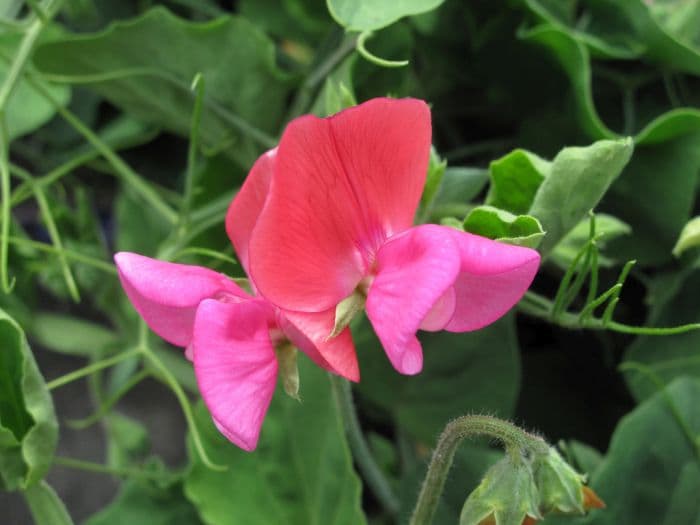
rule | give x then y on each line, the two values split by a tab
130	125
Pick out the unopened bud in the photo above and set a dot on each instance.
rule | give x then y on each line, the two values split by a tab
346	310
506	496
288	369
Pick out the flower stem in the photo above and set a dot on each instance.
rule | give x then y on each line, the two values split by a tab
515	440
90	466
91	369
342	393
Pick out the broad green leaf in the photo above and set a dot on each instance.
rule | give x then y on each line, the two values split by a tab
655	207
648	457
607	227
579	178
684	505
487	360
515	179
459	186
521	230
436	171
27	109
301	472
71	335
144	503
45	505
680	18
368	15
669	357
575	60
292	20
152	80
28	427
689	237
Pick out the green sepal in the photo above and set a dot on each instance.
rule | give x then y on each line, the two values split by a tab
560	486
288	369
507	493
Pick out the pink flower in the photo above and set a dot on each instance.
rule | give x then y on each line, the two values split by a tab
230	335
329	214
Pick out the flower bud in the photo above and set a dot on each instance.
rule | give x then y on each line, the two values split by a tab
506	496
288	369
560	487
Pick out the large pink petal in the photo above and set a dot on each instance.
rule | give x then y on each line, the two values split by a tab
246	206
415	271
166	294
236	367
341	187
493	277
309	333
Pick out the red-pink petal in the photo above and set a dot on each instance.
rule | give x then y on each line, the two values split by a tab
166	294
309	333
235	366
341	187
414	271
246	206
493	277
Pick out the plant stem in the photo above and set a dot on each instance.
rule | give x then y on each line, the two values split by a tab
373	475
538	306
92	368
90	466
514	439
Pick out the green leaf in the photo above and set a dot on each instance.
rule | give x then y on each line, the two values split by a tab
28	427
128	441
152	80
515	179
301	472
607	228
648	455
574	59
689	237
684	505
579	177
487	360
521	230
459	186
144	503
69	335
656	207
27	109
45	505
368	15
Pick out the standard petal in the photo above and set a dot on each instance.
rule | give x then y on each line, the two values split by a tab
309	333
166	294
246	206
341	187
415	270
493	277
236	367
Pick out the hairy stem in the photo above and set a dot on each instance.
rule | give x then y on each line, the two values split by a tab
515	440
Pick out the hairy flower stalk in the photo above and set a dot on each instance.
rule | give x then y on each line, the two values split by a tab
532	480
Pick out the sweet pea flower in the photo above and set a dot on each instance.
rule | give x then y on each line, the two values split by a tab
234	339
325	224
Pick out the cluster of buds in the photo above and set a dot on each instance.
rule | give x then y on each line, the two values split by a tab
523	488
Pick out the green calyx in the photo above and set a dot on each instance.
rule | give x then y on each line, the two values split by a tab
507	494
346	311
288	369
560	486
